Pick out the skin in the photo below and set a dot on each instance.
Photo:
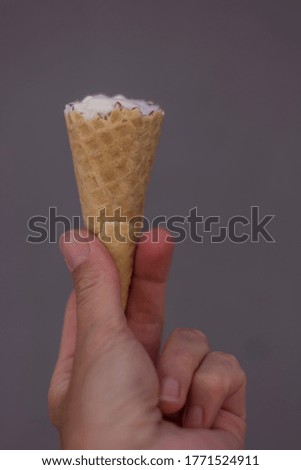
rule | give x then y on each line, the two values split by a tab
113	389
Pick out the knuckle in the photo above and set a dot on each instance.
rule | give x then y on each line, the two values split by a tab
243	376
226	358
231	361
183	358
88	282
84	287
214	385
190	334
85	284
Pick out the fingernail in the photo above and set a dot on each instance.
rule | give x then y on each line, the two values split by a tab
74	252
170	389
193	417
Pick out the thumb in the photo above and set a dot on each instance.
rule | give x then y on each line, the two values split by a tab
96	284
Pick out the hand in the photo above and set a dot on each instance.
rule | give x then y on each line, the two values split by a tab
111	387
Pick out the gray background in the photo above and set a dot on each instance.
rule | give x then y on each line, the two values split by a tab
228	74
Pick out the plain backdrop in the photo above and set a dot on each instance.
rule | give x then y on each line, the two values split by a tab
228	75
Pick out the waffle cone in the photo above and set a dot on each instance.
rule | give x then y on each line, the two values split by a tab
112	158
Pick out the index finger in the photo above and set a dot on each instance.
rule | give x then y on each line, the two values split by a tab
146	303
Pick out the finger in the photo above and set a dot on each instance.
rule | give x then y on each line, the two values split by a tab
218	384
68	339
62	372
180	358
146	304
97	289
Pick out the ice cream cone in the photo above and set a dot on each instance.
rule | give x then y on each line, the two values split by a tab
112	156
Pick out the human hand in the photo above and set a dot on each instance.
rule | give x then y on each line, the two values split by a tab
111	387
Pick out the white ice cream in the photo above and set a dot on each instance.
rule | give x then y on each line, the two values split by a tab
102	104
